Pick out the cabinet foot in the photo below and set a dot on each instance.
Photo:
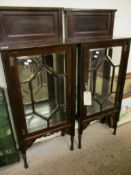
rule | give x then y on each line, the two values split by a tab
114	132
25	160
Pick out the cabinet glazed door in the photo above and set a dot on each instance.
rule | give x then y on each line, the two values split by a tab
43	94
101	76
103	68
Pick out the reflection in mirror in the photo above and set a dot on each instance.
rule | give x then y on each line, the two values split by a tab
103	77
43	88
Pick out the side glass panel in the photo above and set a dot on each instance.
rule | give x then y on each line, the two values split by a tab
101	78
43	87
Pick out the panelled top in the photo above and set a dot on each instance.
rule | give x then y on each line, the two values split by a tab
23	25
82	23
35	26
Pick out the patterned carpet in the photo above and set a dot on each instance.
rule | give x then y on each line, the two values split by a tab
102	154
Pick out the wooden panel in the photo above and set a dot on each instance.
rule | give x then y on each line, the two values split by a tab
30	25
85	24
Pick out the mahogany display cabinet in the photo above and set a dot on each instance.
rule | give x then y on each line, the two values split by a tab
101	77
41	83
39	79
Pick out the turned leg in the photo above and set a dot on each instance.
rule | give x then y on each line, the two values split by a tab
110	122
25	159
115	126
102	120
79	140
80	130
72	143
63	133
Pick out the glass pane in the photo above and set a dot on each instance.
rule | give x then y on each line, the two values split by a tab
95	107
34	123
97	56
62	90
28	66
115	55
102	78
58	62
115	79
43	87
59	116
109	102
46	107
26	97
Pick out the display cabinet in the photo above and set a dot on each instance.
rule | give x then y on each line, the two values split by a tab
40	83
101	76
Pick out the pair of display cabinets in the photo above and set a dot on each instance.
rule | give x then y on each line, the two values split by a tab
42	87
46	76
